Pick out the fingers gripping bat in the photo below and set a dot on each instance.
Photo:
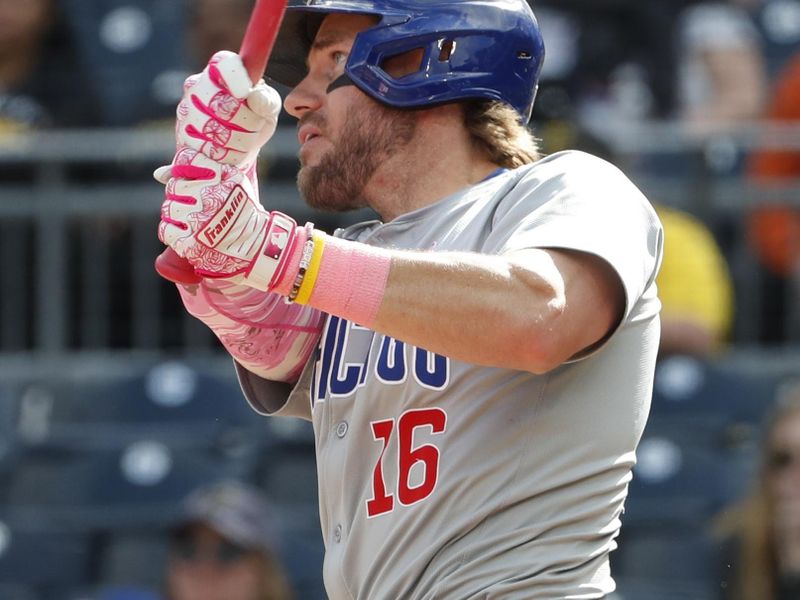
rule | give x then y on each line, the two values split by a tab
259	38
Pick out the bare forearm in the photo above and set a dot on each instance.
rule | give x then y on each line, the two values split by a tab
511	312
466	306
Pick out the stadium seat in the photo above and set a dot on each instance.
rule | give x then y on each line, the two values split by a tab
689	387
684	555
712	413
302	555
132	561
35	558
8	438
289	475
681	477
660	563
666	589
171	402
120	593
140	485
11	591
134	51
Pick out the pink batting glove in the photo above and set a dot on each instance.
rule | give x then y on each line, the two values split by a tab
261	331
211	216
224	116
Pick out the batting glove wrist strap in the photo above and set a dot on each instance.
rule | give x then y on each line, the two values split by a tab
271	260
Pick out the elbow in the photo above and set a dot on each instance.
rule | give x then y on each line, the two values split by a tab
539	341
536	325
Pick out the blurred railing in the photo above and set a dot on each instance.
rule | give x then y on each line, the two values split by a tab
706	175
78	215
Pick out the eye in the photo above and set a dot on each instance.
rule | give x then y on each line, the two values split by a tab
339	58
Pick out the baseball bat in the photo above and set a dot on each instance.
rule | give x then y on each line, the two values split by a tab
259	38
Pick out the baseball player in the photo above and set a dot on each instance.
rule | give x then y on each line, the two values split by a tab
478	363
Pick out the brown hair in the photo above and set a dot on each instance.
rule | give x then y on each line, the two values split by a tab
750	523
496	130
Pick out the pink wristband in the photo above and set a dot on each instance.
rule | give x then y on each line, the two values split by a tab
351	281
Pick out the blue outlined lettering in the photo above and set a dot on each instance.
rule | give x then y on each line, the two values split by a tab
431	370
334	377
391	367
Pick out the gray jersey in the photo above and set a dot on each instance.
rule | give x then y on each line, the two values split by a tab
441	479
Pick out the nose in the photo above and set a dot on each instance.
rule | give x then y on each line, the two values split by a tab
306	96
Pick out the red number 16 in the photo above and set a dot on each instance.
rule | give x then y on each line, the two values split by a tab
435	419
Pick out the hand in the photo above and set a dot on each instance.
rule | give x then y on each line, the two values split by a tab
211	216
223	116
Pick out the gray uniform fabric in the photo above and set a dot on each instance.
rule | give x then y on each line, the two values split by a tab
440	479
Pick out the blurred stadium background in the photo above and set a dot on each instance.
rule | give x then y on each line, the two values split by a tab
114	403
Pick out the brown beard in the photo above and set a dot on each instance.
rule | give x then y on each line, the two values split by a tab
372	133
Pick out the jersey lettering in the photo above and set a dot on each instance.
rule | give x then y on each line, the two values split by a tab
391	367
381	502
323	366
344	377
418	466
431	370
335	377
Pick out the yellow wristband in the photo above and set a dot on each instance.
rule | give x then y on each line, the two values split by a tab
304	295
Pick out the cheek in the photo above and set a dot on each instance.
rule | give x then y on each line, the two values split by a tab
341	106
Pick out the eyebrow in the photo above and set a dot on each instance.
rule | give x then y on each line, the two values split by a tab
331	38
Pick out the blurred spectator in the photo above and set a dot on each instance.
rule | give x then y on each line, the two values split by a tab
762	561
722	77
774	230
225	548
41	81
216	25
211	26
778	22
694	286
609	63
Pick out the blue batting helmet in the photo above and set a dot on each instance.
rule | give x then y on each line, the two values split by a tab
472	49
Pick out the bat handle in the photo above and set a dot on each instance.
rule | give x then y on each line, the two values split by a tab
176	269
260	35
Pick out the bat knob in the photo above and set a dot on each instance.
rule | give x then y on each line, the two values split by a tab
176	269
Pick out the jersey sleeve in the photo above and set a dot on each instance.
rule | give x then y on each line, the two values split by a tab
575	201
276	398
